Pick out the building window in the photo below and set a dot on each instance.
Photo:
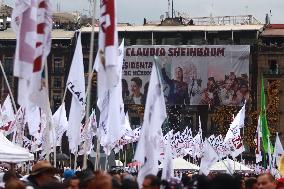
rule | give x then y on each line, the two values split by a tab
8	65
56	101
273	67
58	65
57	82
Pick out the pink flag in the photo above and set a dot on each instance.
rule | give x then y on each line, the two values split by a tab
31	20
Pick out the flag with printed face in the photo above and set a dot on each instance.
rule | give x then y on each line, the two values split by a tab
76	85
32	23
149	142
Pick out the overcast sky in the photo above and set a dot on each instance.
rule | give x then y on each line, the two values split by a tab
133	11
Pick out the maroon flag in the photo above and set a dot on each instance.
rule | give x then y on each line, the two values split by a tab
31	20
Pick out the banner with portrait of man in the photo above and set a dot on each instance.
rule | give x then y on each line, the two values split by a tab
195	74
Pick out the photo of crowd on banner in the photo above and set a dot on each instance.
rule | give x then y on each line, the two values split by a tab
231	90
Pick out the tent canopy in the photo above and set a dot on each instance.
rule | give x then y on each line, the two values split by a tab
182	164
231	165
118	163
12	153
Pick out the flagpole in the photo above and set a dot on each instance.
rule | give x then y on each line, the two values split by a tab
90	74
9	88
48	112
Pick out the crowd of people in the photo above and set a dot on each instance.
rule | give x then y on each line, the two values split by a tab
44	176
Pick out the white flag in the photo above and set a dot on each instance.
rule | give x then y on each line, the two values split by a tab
209	157
258	156
32	118
149	143
76	85
168	170
239	120
278	151
7	112
233	137
60	123
110	102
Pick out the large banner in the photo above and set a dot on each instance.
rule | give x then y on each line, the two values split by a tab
196	75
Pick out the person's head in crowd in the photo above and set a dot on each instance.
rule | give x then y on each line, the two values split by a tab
54	185
42	173
125	91
101	181
151	182
72	183
136	84
9	176
179	74
15	184
85	177
116	183
244	77
224	181
68	173
280	183
129	184
251	183
227	84
243	88
211	83
266	181
232	76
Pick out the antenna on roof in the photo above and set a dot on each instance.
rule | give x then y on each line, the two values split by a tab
169	7
172	8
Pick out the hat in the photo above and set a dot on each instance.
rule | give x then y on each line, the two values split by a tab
42	166
68	173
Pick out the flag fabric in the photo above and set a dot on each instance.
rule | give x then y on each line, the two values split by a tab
209	157
32	23
7	112
60	123
265	134
233	137
239	120
110	101
108	41
76	85
87	135
155	114
278	151
32	118
168	170
258	157
198	142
